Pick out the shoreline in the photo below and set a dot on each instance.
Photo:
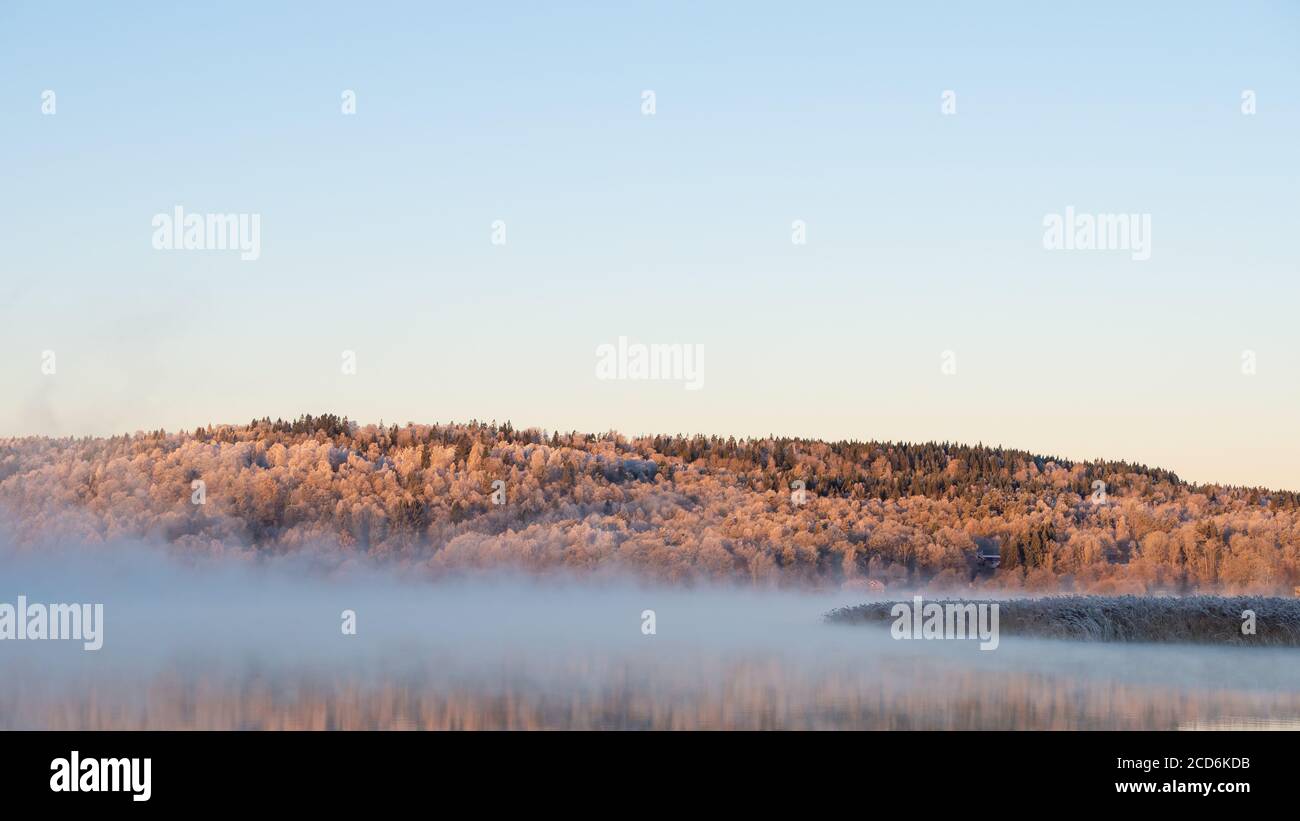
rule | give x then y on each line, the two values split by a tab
1266	621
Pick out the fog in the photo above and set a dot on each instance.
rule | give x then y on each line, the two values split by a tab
258	642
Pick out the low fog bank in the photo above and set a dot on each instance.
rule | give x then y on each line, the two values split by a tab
161	604
163	607
211	628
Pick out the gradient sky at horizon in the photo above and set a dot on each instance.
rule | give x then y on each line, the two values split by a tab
924	230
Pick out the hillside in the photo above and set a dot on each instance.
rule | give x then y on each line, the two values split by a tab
669	507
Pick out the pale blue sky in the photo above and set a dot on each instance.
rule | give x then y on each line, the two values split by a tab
924	230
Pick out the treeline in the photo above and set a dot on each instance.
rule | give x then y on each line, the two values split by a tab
769	510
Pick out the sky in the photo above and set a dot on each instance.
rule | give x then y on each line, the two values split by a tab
922	304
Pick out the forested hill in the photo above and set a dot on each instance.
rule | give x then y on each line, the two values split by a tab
676	507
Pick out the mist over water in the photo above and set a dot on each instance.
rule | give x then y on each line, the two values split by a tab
257	642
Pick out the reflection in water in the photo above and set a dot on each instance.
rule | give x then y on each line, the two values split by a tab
701	693
1243	723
